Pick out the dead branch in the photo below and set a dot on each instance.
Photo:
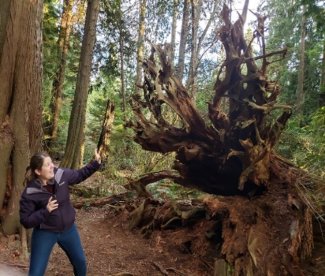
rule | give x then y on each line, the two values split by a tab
113	201
140	184
282	52
104	138
160	268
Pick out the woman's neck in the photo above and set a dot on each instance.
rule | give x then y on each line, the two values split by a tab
43	181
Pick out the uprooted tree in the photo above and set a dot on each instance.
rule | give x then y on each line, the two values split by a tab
262	221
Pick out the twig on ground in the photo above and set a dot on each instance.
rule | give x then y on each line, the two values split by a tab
162	270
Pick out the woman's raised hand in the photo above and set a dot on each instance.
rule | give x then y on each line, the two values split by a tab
97	156
52	204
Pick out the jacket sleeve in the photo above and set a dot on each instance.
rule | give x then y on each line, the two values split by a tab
29	215
76	176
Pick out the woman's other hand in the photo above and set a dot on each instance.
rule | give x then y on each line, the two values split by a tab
52	204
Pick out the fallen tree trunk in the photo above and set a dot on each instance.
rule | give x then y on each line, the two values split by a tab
264	220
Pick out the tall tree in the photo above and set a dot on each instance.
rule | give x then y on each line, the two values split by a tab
72	157
122	75
173	31
183	39
57	86
140	44
197	40
121	44
286	30
196	6
20	100
300	94
322	82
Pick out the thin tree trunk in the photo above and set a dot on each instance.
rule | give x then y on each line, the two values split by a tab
63	46
20	102
122	75
182	44
72	156
140	46
322	81
104	138
173	34
196	10
301	73
197	43
121	41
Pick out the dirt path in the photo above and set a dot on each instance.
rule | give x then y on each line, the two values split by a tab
112	249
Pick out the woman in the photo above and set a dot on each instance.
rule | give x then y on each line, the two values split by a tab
45	206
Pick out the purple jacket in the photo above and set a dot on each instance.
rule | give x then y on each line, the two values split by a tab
33	211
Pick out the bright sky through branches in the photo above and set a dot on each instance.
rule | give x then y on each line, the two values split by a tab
238	7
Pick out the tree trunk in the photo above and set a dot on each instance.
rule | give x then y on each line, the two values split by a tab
20	102
63	46
173	32
322	81
191	81
121	42
301	71
104	138
72	156
197	43
183	39
122	74
263	213
140	44
3	21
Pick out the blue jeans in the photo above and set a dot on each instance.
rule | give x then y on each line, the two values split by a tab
42	245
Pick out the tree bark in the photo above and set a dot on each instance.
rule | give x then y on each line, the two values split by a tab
72	156
140	44
322	81
173	32
183	40
121	42
191	81
3	22
196	44
20	102
300	94
104	138
57	87
122	74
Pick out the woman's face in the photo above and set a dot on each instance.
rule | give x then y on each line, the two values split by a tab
47	171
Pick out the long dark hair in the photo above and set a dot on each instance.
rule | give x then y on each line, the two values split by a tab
35	163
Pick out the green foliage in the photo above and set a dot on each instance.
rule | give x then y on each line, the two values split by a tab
51	23
285	31
50	51
305	145
167	189
303	141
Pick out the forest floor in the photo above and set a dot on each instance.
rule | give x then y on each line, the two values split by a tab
113	249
